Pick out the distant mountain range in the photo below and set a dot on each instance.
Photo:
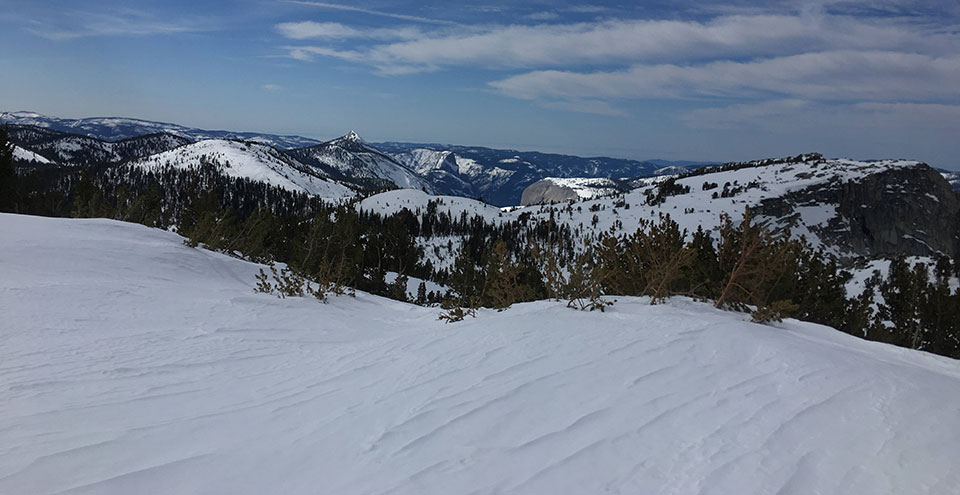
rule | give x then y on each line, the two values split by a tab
120	128
498	176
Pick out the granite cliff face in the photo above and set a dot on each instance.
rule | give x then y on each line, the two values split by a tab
545	191
908	211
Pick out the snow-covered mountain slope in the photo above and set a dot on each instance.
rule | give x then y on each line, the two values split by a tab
22	155
350	158
251	161
134	364
118	128
415	201
440	168
79	150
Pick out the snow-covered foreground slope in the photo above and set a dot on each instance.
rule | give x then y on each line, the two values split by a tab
130	363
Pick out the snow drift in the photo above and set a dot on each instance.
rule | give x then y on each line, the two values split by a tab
131	363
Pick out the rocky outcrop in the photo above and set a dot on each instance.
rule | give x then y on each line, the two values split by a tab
545	191
907	211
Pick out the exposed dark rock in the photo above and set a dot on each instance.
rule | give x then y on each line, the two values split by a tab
545	191
908	211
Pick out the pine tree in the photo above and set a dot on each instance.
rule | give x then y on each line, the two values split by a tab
503	287
901	293
466	280
817	285
662	256
701	278
550	271
8	175
585	284
398	288
422	293
753	260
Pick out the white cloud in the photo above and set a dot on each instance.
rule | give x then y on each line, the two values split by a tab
307	53
840	75
333	31
127	22
272	87
582	66
543	16
615	42
309	29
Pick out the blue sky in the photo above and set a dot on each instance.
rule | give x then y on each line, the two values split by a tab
697	80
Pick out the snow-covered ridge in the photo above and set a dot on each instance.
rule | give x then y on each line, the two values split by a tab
349	157
250	161
391	202
135	364
65	149
118	128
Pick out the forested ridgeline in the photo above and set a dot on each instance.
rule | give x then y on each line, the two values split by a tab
335	247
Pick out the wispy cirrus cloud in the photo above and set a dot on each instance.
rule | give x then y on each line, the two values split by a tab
615	42
836	75
124	22
306	30
586	66
374	12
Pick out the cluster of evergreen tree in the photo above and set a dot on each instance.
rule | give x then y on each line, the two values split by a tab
917	307
329	247
743	266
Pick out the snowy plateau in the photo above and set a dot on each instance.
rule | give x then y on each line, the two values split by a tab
131	363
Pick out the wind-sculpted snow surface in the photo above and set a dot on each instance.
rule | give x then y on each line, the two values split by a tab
131	363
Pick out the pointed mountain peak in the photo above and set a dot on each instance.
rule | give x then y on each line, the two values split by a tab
353	137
